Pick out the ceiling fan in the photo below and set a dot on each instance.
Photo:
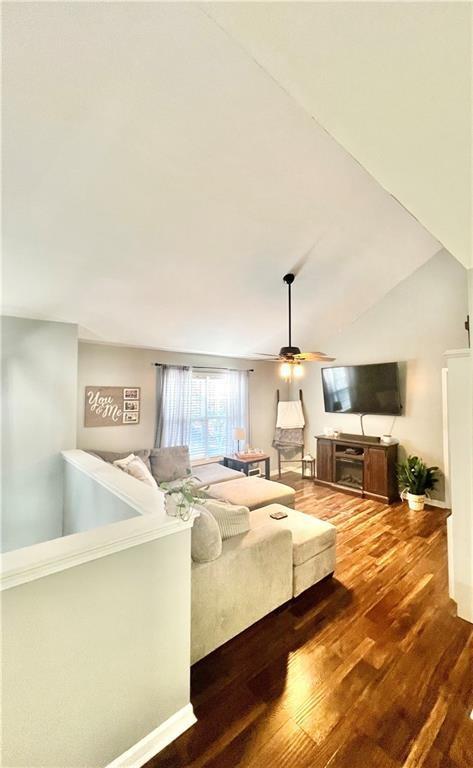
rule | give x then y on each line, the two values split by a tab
291	357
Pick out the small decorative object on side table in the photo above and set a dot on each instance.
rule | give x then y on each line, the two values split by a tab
243	461
308	467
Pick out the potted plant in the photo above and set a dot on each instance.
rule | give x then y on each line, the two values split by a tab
416	479
180	497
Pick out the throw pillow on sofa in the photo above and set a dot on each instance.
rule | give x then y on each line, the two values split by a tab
206	540
111	456
231	519
169	464
136	467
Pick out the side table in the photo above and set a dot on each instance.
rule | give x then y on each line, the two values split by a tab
235	462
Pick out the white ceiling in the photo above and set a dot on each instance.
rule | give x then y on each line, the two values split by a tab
391	81
158	183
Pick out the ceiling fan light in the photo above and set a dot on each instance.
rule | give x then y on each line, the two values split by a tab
285	371
298	371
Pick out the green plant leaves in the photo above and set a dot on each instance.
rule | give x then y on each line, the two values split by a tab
416	477
185	495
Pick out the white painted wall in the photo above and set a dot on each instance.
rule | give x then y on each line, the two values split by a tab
414	324
460	523
96	657
97	494
39	391
105	365
89	505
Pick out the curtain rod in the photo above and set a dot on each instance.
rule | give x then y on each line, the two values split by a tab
204	367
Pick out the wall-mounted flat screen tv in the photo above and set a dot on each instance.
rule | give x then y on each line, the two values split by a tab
362	389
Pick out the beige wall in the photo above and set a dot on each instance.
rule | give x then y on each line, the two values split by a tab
39	384
105	365
414	324
95	657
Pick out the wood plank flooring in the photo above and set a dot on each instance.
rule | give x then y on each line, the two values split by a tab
371	669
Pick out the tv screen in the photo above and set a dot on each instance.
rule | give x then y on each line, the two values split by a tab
362	389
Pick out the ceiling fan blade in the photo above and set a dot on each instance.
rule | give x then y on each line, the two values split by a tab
269	358
312	357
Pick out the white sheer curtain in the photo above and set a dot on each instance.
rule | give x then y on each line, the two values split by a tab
236	386
174	401
208	429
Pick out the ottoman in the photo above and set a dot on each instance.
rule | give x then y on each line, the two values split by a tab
313	544
253	492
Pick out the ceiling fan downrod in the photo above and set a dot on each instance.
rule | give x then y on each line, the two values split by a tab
289	351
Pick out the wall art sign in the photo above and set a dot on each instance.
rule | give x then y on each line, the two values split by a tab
112	406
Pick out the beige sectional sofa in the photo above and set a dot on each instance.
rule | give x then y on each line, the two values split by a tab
208	473
220	482
257	571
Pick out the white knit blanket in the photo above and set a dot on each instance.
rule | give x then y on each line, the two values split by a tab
290	414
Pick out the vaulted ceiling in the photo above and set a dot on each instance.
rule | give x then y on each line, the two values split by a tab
159	182
391	81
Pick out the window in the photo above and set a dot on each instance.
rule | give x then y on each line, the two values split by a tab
200	408
218	405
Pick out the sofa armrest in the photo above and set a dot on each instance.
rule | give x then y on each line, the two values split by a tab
251	578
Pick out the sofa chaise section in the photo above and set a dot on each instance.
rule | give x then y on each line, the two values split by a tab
256	572
313	543
251	578
212	473
253	492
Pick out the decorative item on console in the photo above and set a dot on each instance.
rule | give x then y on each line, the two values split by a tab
331	432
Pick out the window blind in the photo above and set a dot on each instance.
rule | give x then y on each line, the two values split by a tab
219	403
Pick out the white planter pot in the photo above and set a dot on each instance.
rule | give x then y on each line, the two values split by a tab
172	509
170	505
416	503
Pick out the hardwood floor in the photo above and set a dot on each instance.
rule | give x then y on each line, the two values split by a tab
371	669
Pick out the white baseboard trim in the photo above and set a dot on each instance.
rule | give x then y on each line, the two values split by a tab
275	473
154	742
437	503
464	600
